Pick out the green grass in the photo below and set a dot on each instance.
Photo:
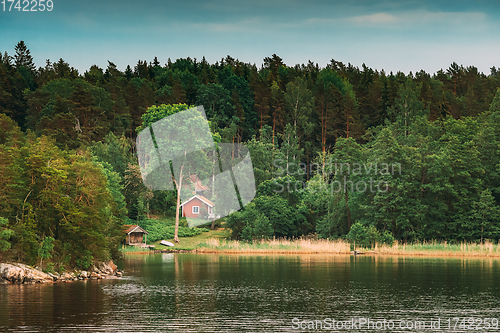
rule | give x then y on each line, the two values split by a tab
162	228
126	249
192	243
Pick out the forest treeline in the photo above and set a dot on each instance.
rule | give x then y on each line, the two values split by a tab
70	174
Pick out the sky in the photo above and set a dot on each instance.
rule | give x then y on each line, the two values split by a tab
391	35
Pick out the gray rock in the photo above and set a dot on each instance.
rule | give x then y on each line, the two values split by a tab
106	268
20	273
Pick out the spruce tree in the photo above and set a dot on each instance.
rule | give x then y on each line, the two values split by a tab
23	56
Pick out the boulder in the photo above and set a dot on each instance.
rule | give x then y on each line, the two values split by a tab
105	268
20	273
66	276
112	265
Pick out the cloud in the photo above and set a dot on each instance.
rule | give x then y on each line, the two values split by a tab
447	17
420	17
248	25
471	21
374	18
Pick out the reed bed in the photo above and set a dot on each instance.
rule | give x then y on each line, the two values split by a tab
435	248
308	246
275	246
326	246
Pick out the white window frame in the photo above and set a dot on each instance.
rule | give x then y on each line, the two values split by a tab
197	209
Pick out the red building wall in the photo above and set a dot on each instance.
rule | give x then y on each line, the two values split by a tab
187	209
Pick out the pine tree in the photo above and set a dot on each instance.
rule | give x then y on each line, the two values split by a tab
23	57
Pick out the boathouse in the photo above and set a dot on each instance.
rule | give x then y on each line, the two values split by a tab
135	235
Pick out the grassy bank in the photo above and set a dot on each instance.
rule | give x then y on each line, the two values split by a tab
308	246
186	243
275	246
487	249
217	241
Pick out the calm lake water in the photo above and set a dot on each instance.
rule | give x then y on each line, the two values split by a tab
280	293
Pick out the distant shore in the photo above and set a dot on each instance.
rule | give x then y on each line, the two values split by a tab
322	246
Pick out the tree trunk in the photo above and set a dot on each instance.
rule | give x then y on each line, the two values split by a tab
348	211
348	115
177	208
274	126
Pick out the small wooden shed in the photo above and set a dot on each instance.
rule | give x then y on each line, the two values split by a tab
135	235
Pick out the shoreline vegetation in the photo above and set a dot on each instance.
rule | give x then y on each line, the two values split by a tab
324	246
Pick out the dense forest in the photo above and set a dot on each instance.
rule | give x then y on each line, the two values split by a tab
420	152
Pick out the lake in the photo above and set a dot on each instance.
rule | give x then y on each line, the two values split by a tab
274	293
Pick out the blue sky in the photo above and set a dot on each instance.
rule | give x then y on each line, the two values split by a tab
390	35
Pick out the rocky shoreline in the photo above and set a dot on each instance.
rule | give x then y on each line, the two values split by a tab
16	273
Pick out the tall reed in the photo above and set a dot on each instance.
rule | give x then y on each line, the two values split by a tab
339	246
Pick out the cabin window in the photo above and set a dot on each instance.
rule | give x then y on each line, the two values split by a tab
196	209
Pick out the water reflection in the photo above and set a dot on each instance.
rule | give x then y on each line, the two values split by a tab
194	292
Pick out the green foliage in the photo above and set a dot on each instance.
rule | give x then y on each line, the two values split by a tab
50	268
334	222
160	229
85	260
368	236
251	224
5	235
117	151
155	113
64	195
261	228
357	234
264	153
299	103
386	237
73	112
45	251
217	103
274	212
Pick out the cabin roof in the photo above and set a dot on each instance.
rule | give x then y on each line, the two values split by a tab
130	228
198	186
201	198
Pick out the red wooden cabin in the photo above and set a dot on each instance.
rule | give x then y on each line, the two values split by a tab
197	207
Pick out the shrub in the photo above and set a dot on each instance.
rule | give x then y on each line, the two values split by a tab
387	238
367	236
85	261
161	229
